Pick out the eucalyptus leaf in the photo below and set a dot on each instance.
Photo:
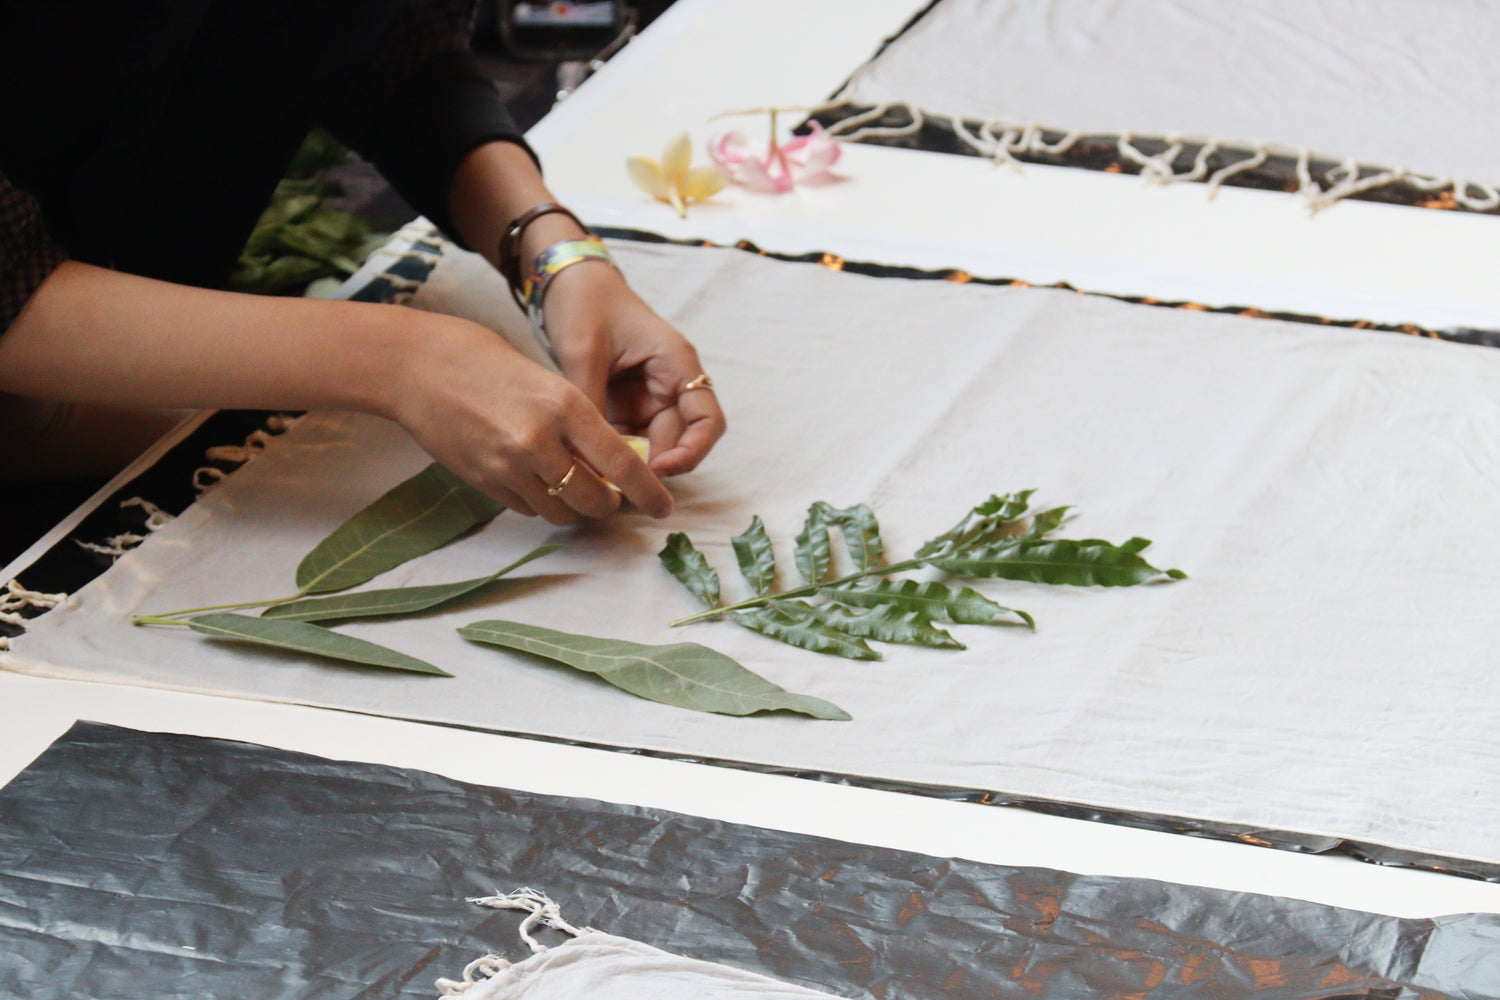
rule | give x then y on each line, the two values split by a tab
394	601
933	601
797	624
887	623
304	638
682	674
421	514
691	568
1087	562
812	553
756	558
861	533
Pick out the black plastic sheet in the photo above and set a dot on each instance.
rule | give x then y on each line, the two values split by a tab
140	864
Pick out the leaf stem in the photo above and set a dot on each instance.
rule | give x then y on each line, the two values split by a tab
805	591
168	617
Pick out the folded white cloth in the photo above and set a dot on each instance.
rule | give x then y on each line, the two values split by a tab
595	964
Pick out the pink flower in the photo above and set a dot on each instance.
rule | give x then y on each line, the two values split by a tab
804	159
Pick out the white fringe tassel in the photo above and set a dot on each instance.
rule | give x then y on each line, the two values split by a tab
1001	142
539	909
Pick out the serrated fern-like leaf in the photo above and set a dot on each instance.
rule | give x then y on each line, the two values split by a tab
861	533
797	624
988	523
933	601
1088	562
887	623
756	558
690	567
1047	521
812	552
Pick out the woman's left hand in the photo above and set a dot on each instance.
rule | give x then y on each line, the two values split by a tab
633	365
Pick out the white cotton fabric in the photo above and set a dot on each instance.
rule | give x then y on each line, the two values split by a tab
1328	668
605	966
1390	83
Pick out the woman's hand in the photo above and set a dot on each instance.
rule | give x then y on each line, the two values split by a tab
515	430
632	364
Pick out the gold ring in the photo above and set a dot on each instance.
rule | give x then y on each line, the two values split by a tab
562	483
701	382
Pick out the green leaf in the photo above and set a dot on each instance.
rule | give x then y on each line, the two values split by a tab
757	560
426	511
683	674
1077	563
861	533
988	523
312	639
933	601
887	623
691	568
797	624
1047	521
395	601
812	554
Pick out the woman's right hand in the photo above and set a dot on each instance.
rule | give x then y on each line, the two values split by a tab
513	429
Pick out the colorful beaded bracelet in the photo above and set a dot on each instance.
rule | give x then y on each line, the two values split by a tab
548	264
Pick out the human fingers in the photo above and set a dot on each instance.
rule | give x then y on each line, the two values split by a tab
699	423
574	490
605	453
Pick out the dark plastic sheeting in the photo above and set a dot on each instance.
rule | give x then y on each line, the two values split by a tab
147	865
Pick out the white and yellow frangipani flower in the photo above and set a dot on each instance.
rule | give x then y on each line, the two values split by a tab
675	180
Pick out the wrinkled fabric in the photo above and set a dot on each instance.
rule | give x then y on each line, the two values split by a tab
176	867
1387	82
603	965
1325	668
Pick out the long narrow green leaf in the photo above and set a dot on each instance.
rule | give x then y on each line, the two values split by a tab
426	511
394	601
756	558
1062	561
933	601
797	624
988	523
861	533
683	674
312	639
887	623
812	554
690	567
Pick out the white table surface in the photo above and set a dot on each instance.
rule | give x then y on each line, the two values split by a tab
708	55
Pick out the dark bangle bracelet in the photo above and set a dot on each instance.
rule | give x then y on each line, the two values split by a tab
510	244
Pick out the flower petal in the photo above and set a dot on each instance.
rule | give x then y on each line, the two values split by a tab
728	150
753	175
676	158
701	182
647	176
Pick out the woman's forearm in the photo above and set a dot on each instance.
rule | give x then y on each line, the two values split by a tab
92	335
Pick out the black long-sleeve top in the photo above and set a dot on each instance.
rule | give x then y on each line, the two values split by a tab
148	135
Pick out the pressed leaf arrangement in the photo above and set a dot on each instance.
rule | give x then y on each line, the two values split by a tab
998	539
420	515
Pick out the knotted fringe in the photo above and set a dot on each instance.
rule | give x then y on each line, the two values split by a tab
16	599
116	546
1002	142
539	909
207	476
